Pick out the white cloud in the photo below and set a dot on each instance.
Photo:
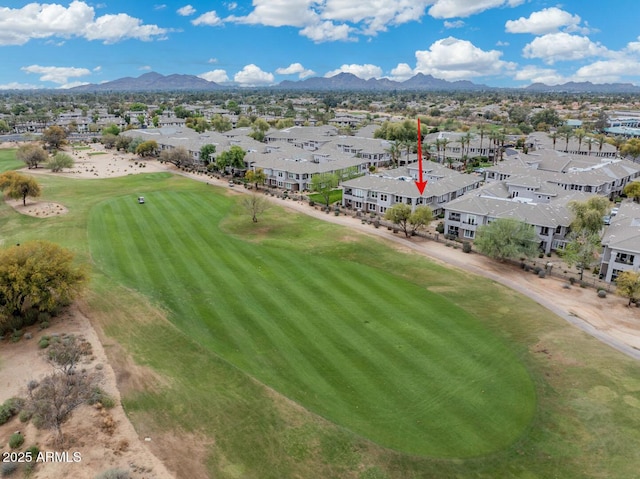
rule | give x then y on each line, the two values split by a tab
58	75
374	15
146	68
562	46
454	59
212	60
217	76
549	20
252	75
210	19
114	28
327	32
18	86
231	6
295	69
33	21
292	13
608	71
73	84
186	11
402	72
334	20
454	24
535	74
362	71
466	8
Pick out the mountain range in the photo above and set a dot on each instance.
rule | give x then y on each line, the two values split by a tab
342	81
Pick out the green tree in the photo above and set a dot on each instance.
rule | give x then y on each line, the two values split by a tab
112	128
420	218
138	107
60	161
259	127
588	214
4	127
243	122
324	184
547	116
284	123
399	215
255	205
109	140
628	286
221	124
232	158
582	250
32	155
257	177
147	148
631	148
632	190
206	153
507	238
123	142
16	186
37	276
54	136
409	221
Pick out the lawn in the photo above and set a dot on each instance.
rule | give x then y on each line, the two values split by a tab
334	197
8	160
372	352
205	365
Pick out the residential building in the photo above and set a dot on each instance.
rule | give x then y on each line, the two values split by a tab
621	242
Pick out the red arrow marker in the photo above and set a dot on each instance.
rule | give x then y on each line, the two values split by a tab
421	184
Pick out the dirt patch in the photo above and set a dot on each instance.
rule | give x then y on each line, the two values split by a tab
38	209
102	438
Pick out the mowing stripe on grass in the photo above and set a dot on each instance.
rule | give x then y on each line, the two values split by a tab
362	347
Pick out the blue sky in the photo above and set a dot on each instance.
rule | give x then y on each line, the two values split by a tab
506	43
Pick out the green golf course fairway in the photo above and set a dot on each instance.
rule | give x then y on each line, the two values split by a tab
372	352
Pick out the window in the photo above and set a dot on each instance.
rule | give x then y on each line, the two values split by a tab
544	230
383	197
453	230
454	216
625	258
471	219
469	234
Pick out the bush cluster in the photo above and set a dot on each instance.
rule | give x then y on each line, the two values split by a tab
10	408
16	440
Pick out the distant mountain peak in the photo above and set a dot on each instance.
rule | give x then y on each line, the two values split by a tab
152	81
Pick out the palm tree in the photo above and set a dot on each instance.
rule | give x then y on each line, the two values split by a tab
438	145
554	138
601	139
482	128
618	142
444	142
393	151
566	134
579	133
